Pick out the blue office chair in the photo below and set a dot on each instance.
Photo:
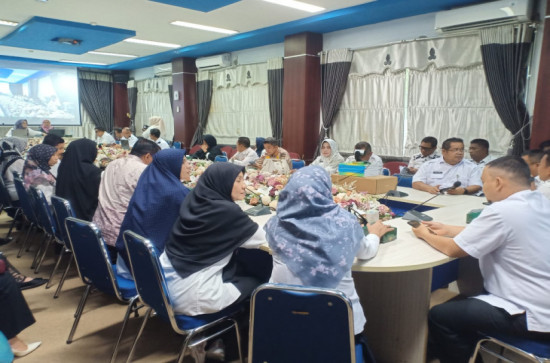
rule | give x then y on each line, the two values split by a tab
27	208
62	210
404	181
222	158
301	324
153	292
386	172
176	145
47	223
95	269
297	164
529	350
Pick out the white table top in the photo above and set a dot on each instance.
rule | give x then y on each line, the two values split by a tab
407	252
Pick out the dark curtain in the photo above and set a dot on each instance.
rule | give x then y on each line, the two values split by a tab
96	95
335	65
171	95
204	99
505	53
132	102
275	76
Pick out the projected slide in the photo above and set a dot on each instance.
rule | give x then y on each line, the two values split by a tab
37	92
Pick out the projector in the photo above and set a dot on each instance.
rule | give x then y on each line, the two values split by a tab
68	41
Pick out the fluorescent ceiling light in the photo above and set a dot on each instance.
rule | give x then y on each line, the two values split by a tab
297	5
8	23
150	42
82	62
203	27
114	54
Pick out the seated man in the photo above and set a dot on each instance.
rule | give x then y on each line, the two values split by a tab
363	152
509	239
102	137
154	134
276	160
59	143
445	171
543	184
127	135
532	158
117	133
428	151
245	155
479	152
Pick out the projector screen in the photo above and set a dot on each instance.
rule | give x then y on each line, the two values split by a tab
38	92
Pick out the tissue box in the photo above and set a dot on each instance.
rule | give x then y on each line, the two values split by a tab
388	237
355	169
379	184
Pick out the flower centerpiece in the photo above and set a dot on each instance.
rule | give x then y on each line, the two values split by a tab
197	168
106	154
345	195
264	188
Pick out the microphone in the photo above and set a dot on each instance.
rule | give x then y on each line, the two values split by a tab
357	214
414	215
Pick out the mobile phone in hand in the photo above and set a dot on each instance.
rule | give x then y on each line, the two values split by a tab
414	224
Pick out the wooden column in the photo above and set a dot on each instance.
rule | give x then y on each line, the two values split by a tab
302	93
120	99
184	83
541	113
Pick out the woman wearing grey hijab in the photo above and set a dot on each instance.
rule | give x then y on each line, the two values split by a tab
330	157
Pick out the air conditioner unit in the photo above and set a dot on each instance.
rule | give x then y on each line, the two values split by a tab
215	61
162	69
492	13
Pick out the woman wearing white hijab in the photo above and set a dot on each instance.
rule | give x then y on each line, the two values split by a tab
330	157
155	122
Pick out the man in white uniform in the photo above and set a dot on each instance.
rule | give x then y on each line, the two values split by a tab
451	167
428	151
102	137
245	155
127	135
479	152
363	152
510	240
154	135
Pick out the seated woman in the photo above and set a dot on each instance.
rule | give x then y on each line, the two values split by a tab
46	126
36	171
156	202
78	178
22	125
314	241
200	262
10	161
330	157
209	149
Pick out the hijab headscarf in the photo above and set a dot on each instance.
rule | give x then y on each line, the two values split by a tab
259	145
156	201
315	238
36	170
156	122
45	128
331	162
19	124
210	225
12	148
78	178
211	141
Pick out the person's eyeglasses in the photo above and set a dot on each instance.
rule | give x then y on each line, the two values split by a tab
457	150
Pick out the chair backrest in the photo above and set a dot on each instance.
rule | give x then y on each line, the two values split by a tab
25	200
393	166
300	324
62	210
5	199
228	150
194	149
148	275
44	213
91	256
386	171
221	158
297	164
176	145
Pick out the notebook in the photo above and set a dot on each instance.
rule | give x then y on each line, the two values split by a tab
125	144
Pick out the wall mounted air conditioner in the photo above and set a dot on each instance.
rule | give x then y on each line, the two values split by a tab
215	61
162	69
492	13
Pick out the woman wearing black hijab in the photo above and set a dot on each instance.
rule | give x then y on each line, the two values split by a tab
201	264
209	149
78	178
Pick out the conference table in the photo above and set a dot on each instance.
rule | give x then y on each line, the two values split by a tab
395	286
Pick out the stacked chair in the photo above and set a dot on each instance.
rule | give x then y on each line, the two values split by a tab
62	210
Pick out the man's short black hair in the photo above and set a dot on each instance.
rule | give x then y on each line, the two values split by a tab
547	153
447	143
244	141
363	145
118	129
155	132
515	166
544	144
430	140
144	146
534	155
481	142
53	140
100	128
271	141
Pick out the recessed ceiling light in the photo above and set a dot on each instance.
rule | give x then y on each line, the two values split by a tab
150	42
8	23
297	5
203	27
82	62
114	54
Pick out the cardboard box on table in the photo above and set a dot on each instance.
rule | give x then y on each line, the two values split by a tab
379	184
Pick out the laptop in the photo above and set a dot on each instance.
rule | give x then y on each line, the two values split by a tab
58	132
22	133
125	144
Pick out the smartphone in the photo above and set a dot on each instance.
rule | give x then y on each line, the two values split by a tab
414	224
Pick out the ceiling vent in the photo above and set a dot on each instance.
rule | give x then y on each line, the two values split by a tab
216	61
476	16
67	41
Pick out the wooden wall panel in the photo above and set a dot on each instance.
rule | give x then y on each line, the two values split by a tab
120	105
184	82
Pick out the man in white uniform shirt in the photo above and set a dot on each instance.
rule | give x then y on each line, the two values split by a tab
245	155
451	167
428	151
479	152
127	135
543	182
154	135
103	137
363	152
510	240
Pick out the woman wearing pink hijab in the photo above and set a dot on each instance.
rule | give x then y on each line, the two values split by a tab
46	126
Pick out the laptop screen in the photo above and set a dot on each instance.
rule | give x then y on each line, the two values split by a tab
58	132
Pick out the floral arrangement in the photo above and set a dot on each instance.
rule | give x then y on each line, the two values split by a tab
345	195
197	168
106	154
264	188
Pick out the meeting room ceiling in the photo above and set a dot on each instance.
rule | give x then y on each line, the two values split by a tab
82	31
